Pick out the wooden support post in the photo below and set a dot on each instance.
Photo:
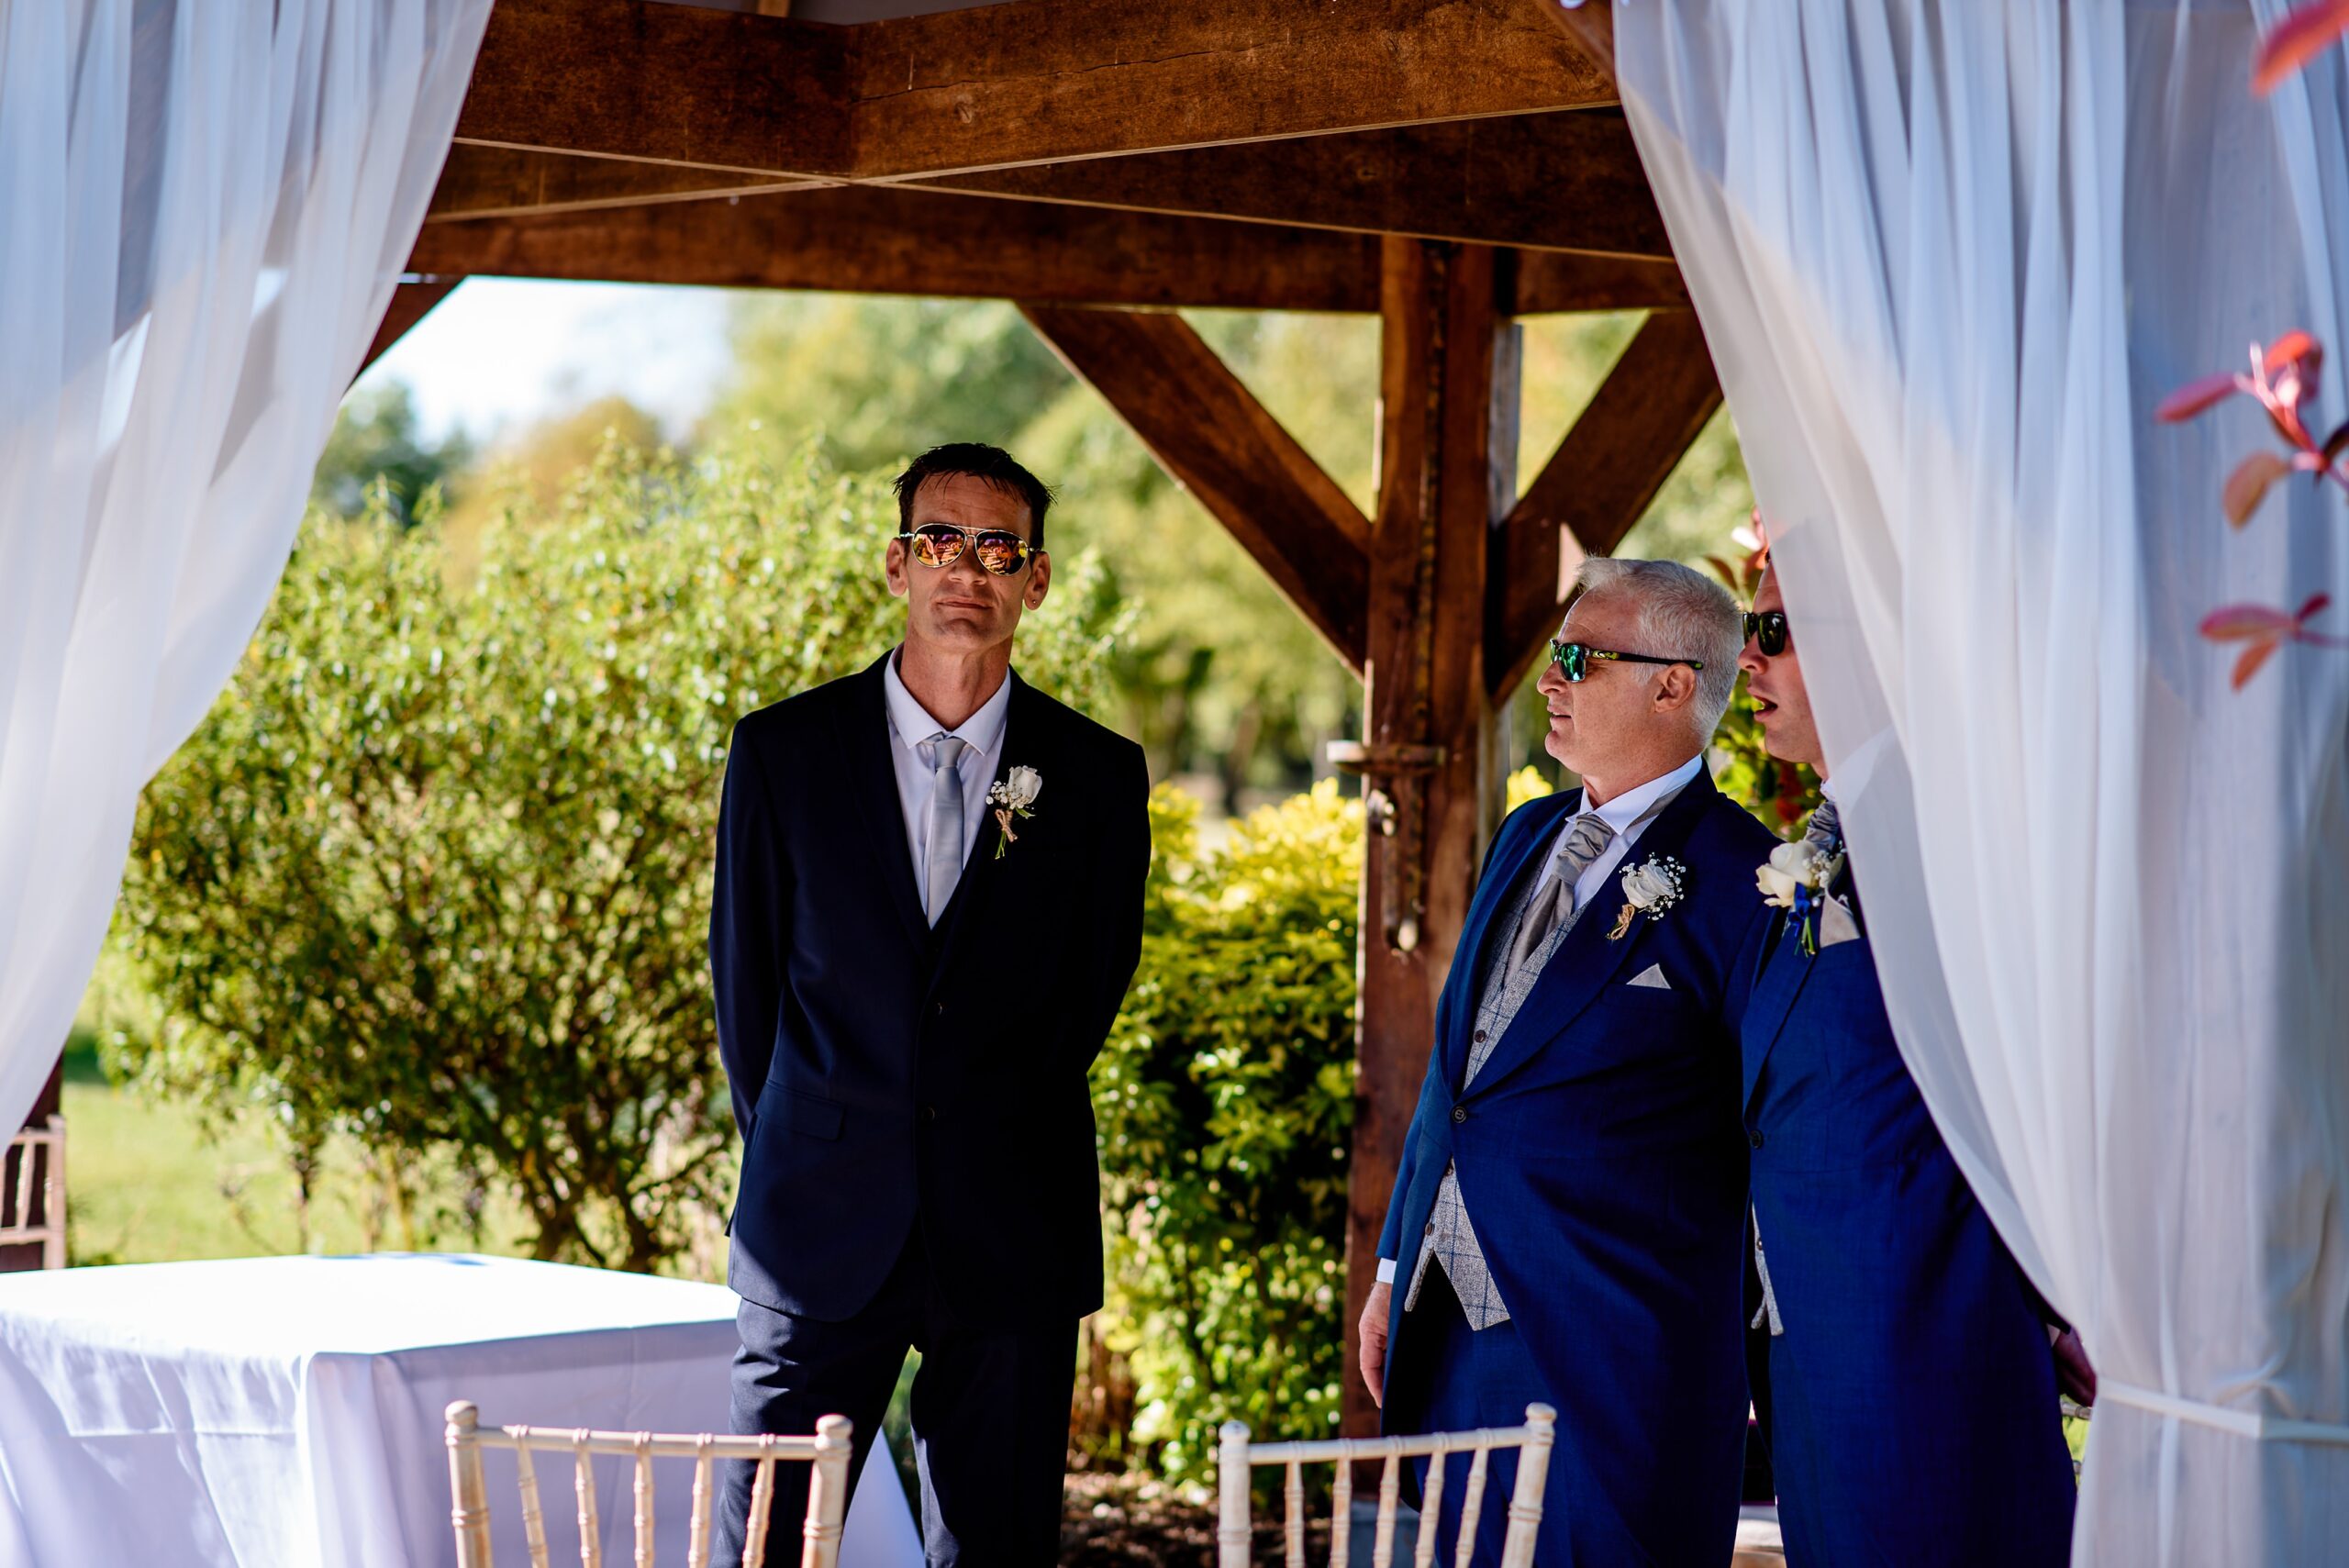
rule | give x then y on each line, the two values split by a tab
1430	768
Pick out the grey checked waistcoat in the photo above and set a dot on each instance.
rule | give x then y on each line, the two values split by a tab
1450	1239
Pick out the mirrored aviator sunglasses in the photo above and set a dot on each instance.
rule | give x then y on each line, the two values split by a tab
1000	551
1767	630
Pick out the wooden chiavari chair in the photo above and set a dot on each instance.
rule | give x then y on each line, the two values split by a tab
37	1159
827	1451
1238	1457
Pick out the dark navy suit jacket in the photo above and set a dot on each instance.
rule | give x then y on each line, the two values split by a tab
888	1075
1601	1163
1910	1404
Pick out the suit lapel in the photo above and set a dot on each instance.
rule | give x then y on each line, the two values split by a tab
1586	961
1493	898
872	774
980	885
1785	969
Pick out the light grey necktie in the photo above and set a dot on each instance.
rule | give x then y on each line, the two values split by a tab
1584	842
943	863
1826	828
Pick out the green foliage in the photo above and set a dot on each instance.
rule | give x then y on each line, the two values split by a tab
1225	1096
435	872
375	444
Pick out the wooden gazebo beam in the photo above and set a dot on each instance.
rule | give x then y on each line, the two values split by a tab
1569	181
864	240
998	86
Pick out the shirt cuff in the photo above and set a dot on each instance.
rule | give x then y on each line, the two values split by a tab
1386	1271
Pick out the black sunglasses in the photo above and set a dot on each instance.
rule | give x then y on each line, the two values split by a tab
1573	658
1767	630
1000	551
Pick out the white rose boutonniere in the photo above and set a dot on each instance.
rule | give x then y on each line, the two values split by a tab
1796	877
1014	795
1650	888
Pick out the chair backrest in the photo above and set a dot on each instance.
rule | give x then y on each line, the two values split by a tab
827	1451
36	1159
1238	1457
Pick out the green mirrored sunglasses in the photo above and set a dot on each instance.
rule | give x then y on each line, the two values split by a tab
1573	658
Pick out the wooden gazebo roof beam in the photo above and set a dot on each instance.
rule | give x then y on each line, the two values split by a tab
886	241
1000	86
1567	181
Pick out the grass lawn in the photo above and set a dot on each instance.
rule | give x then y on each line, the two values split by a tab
150	1182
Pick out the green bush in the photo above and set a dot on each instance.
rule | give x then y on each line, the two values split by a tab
1225	1098
435	871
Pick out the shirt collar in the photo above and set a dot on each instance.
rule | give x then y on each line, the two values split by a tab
914	727
1633	805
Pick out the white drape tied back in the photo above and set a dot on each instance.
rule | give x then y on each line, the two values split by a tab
1948	258
207	210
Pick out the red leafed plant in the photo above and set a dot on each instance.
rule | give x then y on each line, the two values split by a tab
2296	39
2264	628
2282	376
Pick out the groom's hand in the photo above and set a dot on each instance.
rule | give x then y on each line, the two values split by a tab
1373	1336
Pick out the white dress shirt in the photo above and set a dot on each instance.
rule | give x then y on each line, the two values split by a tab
911	731
1628	814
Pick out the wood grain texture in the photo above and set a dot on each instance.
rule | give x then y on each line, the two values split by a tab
663	83
504	182
1448	411
1041	80
996	86
891	242
1542	282
1566	180
1607	469
1212	434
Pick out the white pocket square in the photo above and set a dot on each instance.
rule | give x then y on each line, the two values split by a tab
1651	975
1836	924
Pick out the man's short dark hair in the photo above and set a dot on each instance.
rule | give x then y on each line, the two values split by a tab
981	461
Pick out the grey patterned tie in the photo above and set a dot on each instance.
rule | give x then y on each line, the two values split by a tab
943	863
1554	906
1826	828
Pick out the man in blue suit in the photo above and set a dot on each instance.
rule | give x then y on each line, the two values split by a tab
928	905
1902	1365
1568	1221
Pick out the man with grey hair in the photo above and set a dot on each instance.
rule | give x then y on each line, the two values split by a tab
1568	1222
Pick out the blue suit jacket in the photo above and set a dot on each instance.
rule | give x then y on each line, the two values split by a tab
1911	1405
1600	1161
888	1073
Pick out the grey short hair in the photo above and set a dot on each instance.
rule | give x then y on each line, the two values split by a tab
1684	613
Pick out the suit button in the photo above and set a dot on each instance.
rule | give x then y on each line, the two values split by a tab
1480	1037
929	1113
1460	1113
1754	1138
1430	1230
939	1008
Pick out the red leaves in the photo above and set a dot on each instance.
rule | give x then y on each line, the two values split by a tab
2195	396
2247	485
2296	39
2265	629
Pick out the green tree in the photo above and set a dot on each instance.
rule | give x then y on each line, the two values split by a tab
435	871
375	442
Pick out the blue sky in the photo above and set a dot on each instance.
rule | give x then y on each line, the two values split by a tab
501	353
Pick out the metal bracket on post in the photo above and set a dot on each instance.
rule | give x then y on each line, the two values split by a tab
1394	806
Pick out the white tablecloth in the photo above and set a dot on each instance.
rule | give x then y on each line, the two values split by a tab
287	1412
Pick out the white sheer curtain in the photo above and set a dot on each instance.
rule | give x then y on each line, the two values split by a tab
1949	256
204	209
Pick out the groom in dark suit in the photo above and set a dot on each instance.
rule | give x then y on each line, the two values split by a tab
928	906
1568	1220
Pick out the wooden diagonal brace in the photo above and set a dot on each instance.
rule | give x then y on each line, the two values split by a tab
1212	434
